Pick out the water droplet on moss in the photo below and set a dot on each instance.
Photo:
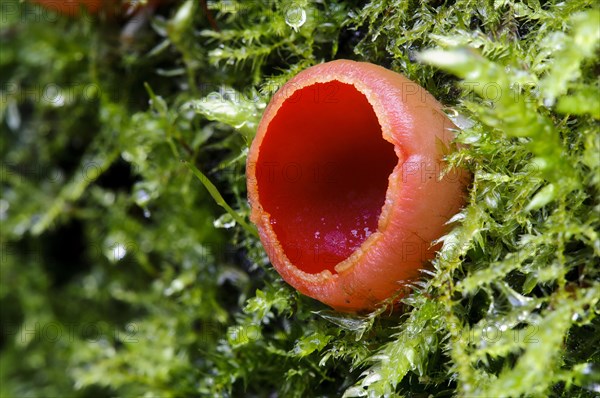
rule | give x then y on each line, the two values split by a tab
142	197
295	17
225	221
4	205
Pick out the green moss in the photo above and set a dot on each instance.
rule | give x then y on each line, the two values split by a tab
128	267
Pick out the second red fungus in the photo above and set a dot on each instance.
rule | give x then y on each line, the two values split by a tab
74	7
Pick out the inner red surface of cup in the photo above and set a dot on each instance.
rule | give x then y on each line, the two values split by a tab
322	174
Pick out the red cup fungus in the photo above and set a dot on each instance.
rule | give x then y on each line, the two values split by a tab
74	7
346	183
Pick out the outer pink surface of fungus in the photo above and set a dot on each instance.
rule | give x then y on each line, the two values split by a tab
344	182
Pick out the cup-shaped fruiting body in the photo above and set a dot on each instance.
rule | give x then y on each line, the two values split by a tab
74	7
346	182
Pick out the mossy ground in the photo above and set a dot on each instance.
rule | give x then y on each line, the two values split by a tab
121	275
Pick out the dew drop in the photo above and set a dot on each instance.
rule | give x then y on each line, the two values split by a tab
115	252
142	197
4	205
225	221
177	285
514	298
295	17
13	116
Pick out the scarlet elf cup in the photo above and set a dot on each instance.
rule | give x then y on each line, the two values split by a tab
346	183
74	7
